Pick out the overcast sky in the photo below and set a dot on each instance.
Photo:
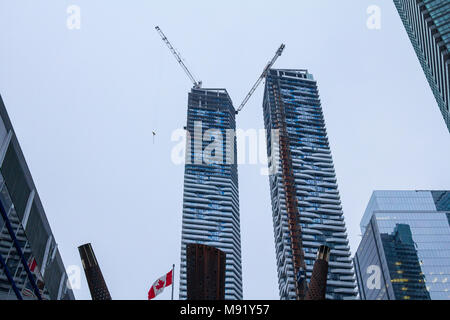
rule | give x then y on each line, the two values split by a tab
84	104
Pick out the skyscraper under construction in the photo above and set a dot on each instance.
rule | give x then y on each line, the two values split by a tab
211	196
306	206
211	193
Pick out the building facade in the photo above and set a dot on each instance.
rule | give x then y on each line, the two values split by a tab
427	23
205	272
211	193
30	264
405	250
306	205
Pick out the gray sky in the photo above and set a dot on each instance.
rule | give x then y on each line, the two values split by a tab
84	104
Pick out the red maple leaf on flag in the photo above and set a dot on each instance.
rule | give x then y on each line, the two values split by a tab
160	285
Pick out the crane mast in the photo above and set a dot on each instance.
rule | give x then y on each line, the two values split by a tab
261	78
197	84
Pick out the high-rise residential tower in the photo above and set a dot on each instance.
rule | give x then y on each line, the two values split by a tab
405	250
306	206
30	264
211	195
427	23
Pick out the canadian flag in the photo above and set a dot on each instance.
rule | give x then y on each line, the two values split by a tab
160	284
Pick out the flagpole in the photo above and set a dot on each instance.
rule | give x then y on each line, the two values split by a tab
173	278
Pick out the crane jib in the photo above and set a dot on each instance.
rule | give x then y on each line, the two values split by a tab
198	84
261	78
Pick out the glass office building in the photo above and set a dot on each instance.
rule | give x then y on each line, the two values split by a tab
211	194
303	186
405	250
30	264
427	23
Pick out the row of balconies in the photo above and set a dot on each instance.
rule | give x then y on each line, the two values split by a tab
191	226
203	233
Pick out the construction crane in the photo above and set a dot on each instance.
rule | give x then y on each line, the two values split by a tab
261	78
197	84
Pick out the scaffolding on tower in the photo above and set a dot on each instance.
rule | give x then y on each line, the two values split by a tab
287	172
